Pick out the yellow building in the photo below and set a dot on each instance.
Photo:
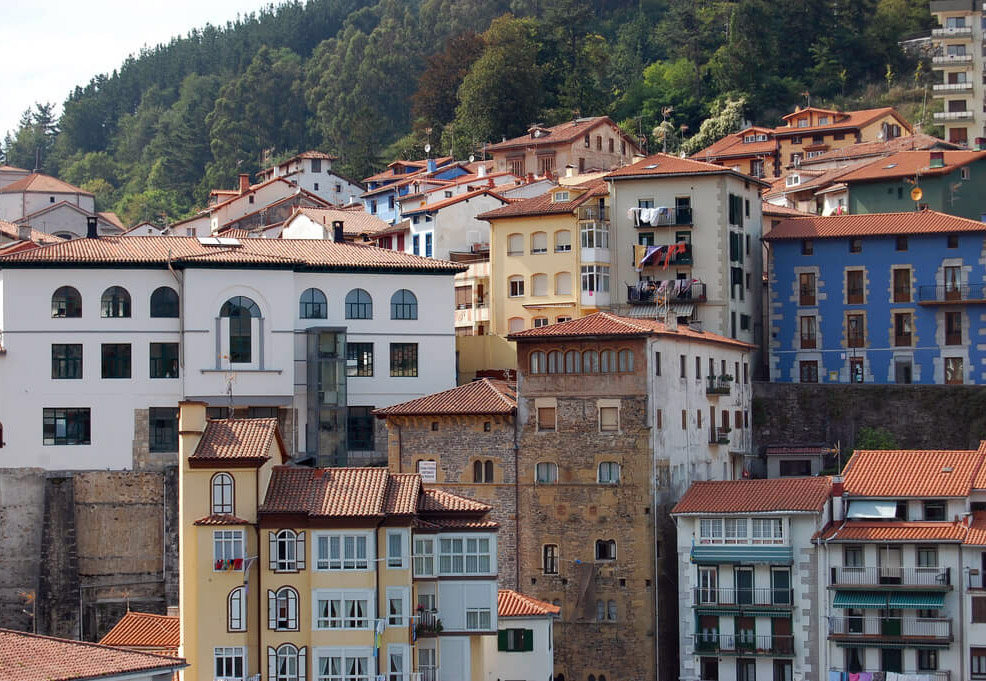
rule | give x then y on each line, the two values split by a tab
550	257
339	574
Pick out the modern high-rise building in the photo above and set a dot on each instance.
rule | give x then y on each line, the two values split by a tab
958	56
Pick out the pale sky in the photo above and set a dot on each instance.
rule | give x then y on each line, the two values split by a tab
50	47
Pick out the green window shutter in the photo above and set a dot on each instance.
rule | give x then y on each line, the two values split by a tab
528	639
501	640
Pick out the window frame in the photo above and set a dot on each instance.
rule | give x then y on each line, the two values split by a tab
164	360
66	303
359	304
312	304
164	303
353	563
229	655
609	467
83	426
115	303
406	307
225	484
361	356
162	440
236	610
116	361
66	361
404	360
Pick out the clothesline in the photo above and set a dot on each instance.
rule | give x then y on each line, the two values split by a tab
652	255
650	216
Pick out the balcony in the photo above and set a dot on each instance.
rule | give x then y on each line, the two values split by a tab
941	675
719	435
719	385
953	116
593	213
934	579
662	217
951	59
949	294
471	314
743	644
877	629
425	673
743	598
427	623
695	293
951	88
952	32
657	259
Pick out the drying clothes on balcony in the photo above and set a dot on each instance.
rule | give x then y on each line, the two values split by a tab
663	216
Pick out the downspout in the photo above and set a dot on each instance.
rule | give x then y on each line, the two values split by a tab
181	324
376	590
517	495
400	448
260	572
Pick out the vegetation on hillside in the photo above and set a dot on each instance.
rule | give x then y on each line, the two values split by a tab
372	79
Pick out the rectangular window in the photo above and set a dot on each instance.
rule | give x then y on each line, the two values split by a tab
807	247
516	640
684	366
416	244
66	426
478	619
855	331
953	328
978	662
806	288
657	363
550	559
767	530
359	359
66	361
609	419
227	550
404	359
546	418
698	368
902	285
342	552
349	609
428	243
595	278
795	468
229	663
808	338
594	235
710	528
395	550
854	287
116	360
900	243
464	556
424	557
902	329
855	245
164	360
954	374
979	610
809	371
395	607
163	429
359	429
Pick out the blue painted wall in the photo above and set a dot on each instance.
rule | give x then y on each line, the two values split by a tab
926	255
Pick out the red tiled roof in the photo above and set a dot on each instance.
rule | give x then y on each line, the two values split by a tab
11	231
980	480
403	490
756	496
144	630
913	142
771	209
221	519
37	182
237	439
977	529
544	205
14	169
354	222
843	120
439	501
665	164
911	473
485	396
445	203
872	224
112	218
910	164
894	531
568	131
606	324
321	254
509	603
30	657
420	165
734	146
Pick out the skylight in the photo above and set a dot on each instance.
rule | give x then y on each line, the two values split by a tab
650	166
218	241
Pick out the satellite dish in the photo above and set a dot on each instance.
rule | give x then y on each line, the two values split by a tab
427	148
537	133
916	194
472	157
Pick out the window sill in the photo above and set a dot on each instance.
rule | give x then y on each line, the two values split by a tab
241	371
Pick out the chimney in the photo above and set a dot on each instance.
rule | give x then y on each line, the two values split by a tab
172	611
838	502
530	177
244	183
937	159
432	166
24	232
337	235
191	425
569	171
91	222
481	170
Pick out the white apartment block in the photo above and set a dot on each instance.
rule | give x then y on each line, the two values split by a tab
100	338
958	57
312	171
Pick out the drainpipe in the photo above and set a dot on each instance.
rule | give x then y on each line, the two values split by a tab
260	572
400	449
181	323
517	492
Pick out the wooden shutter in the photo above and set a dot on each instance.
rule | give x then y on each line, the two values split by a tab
979	609
501	640
302	663
271	663
299	550
272	548
528	643
271	610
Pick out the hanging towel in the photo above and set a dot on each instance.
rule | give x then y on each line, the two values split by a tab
865	676
835	676
660	216
853	677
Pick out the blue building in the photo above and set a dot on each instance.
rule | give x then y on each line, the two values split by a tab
877	298
385	189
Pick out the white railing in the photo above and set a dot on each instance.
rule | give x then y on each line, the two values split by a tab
952	32
941	675
952	87
877	576
952	59
891	627
953	115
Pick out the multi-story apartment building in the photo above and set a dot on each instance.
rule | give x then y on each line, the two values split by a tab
100	338
385	189
687	232
878	298
615	418
349	574
313	172
550	257
748	600
958	56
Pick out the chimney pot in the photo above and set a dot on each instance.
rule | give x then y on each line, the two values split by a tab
24	232
91	222
481	170
244	183
337	233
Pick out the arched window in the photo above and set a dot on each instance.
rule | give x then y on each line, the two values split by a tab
359	304
546	472
287	663
539	243
572	363
240	311
488	470
537	362
283	605
605	549
600	614
285	550
222	493
607	361
313	305
555	362
66	302
115	302
590	362
164	302
563	241
477	471
626	361
403	305
563	284
539	285
236	610
515	324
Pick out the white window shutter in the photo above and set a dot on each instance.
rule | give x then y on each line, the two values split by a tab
300	550
271	610
272	543
271	664
302	663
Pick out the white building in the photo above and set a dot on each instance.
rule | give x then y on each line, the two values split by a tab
50	205
524	647
450	225
746	597
312	171
711	215
958	56
101	338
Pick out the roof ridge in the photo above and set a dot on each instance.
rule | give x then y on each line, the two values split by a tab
91	644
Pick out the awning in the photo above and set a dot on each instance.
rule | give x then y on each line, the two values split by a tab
859	599
717	553
682	309
917	600
544	306
715	612
643	311
863	508
766	613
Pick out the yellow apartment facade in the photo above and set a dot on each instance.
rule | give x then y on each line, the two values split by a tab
291	573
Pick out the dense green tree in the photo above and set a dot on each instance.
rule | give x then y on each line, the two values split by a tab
31	145
726	117
435	100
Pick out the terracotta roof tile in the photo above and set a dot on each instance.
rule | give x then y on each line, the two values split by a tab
913	142
30	657
112	218
606	324
11	231
37	182
911	473
439	501
13	169
977	529
893	531
770	209
485	396
543	204
145	630
910	164
236	439
354	222
320	254
509	603
733	146
568	131
980	480
756	496
667	164
402	494
221	519
445	203
843	120
872	224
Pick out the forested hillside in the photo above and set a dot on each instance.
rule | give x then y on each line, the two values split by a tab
373	79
